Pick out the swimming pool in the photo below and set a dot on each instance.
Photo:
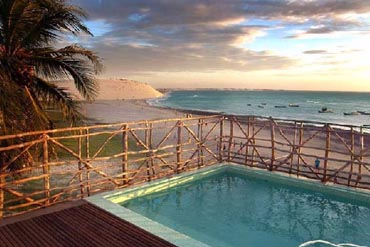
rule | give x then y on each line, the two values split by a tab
230	205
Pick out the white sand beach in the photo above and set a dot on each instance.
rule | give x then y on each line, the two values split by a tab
122	100
117	89
116	111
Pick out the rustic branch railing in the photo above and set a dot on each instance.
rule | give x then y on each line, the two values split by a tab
72	163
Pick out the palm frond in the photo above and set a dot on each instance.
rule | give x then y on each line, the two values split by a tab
64	68
57	97
59	18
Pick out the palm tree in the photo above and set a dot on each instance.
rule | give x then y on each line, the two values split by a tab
29	63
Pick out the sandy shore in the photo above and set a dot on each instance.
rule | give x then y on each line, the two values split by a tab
116	89
116	111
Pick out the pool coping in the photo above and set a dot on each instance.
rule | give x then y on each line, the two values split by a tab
109	200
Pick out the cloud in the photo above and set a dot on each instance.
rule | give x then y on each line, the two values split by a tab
315	52
194	35
175	59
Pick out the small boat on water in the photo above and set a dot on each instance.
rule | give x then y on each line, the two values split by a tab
260	106
280	106
249	104
263	103
325	110
364	112
293	105
351	113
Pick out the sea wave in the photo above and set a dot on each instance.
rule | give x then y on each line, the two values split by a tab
157	101
312	101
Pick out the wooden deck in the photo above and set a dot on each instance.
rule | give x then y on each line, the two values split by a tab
81	225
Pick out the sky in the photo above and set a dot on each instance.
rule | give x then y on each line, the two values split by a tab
254	44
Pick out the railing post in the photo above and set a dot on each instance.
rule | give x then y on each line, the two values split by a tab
87	150
352	156
293	148
200	144
253	140
272	130
299	147
80	169
179	146
247	142
360	156
150	145
327	150
45	168
2	181
220	148
231	126
148	155
125	155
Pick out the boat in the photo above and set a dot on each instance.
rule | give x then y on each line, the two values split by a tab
364	112
325	110
351	113
249	104
293	105
263	103
280	106
260	106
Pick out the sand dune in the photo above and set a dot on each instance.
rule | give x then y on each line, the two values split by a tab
118	89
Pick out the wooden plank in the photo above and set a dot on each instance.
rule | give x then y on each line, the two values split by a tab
83	225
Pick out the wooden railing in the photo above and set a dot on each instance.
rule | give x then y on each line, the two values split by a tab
289	146
42	168
66	164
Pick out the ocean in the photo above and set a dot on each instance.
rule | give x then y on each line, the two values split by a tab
306	104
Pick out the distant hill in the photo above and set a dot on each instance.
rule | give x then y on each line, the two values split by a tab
117	89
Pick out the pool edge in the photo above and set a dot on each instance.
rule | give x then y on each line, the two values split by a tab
105	200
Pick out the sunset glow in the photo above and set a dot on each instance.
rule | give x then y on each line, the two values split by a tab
302	45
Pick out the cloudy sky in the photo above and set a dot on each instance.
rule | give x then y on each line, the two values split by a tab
276	44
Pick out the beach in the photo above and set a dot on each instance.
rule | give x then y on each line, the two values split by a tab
119	111
314	136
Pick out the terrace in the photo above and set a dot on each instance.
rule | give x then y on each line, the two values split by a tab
75	163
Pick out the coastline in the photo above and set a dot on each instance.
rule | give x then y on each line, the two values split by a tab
116	111
138	110
120	111
344	130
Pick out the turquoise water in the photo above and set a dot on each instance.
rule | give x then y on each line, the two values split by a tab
229	209
236	102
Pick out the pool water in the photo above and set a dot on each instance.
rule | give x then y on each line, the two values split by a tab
231	209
